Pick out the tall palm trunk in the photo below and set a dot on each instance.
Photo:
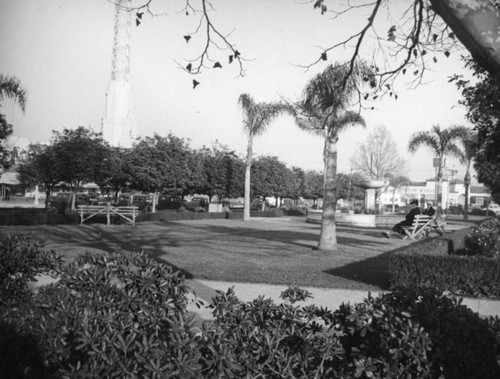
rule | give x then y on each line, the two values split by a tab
466	200
439	195
248	167
328	236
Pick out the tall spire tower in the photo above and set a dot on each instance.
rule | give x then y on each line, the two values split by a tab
119	124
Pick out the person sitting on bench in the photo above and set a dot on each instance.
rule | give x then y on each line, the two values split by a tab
408	221
429	211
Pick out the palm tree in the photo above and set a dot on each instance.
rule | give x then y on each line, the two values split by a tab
467	154
442	143
10	87
256	119
323	111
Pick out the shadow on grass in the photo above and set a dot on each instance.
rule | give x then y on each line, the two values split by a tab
308	238
373	271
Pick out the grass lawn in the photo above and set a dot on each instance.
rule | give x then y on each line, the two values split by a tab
277	251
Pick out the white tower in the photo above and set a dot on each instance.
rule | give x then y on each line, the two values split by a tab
119	124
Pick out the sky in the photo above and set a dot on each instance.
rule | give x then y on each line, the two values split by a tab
61	52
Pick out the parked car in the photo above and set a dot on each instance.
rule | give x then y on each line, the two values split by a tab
169	202
142	202
64	199
197	204
495	208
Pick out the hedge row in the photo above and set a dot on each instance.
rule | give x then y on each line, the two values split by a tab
115	316
20	216
432	263
467	276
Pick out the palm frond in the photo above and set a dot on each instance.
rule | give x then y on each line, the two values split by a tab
10	87
423	139
310	124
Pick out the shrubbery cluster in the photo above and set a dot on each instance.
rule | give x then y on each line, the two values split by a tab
117	316
484	241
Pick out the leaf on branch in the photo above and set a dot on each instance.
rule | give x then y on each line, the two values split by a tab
447	53
230	59
189	67
396	97
195	83
139	15
415	72
404	71
451	35
435	59
217	65
324	56
424	52
415	53
366	96
137	22
388	86
187	38
318	3
434	37
375	97
187	13
323	9
390	94
236	54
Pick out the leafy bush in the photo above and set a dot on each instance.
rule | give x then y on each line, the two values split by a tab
484	240
262	338
109	317
472	276
464	346
116	316
20	261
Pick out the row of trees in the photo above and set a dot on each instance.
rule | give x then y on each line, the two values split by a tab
161	164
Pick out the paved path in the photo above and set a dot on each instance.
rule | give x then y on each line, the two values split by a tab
330	298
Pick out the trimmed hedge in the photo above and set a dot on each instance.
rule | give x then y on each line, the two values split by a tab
432	263
467	276
37	216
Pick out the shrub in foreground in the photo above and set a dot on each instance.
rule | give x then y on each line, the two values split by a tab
117	316
21	259
108	317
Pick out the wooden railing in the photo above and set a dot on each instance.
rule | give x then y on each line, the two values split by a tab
86	212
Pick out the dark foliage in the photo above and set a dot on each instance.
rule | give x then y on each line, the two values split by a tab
125	316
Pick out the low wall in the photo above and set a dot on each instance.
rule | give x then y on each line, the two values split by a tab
359	220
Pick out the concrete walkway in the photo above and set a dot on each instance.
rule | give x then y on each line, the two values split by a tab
330	298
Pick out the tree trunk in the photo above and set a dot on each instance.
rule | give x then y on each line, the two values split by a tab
248	166
393	201
439	195
328	236
475	23
47	196
466	200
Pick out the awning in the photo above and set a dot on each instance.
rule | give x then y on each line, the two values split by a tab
9	178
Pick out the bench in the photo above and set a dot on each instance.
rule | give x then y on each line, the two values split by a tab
421	227
86	212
